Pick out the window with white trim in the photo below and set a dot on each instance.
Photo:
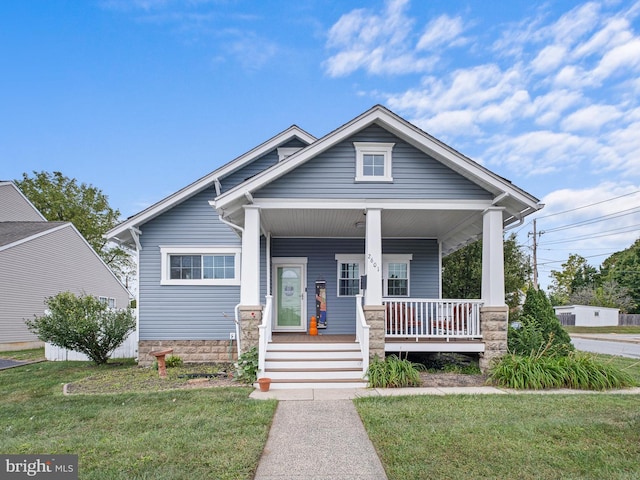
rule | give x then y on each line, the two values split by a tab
349	271
373	161
200	265
396	274
109	301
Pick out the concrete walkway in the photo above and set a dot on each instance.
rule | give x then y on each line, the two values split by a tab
318	440
317	434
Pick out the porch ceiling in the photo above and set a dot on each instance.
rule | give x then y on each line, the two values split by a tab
451	227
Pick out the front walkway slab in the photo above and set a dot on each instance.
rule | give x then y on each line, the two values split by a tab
318	440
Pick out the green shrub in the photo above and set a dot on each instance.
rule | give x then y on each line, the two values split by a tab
393	372
538	326
84	324
539	370
247	366
173	361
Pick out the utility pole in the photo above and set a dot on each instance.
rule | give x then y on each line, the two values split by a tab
535	256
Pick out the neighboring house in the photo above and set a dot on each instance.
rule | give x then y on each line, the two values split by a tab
39	259
587	315
350	228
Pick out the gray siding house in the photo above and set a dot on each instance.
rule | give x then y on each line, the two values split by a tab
39	259
349	229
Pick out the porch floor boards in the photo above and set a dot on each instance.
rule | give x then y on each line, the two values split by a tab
281	337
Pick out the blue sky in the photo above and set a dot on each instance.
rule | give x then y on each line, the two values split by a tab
142	97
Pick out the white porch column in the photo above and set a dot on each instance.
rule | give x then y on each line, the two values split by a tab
373	257
492	257
250	268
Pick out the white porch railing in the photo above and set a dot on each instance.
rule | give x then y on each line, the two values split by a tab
362	334
265	331
441	319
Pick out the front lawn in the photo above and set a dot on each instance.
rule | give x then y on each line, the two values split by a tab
192	434
527	436
628	329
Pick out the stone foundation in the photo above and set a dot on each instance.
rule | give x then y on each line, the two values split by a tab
250	319
374	314
190	351
493	325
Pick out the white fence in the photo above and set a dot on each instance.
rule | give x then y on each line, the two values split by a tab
128	349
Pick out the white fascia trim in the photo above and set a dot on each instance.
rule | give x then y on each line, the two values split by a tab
404	130
165	251
350	204
210	179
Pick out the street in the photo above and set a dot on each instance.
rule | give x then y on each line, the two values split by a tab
609	347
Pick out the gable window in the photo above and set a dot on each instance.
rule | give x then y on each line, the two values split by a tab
200	265
373	161
284	152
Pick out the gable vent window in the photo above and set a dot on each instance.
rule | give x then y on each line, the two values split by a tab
284	152
373	162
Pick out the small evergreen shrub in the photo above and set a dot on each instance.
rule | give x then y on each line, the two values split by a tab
538	326
393	372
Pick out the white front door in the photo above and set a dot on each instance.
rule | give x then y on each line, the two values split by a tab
290	280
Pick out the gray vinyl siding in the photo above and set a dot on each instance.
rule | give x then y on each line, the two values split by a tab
177	312
45	266
256	166
14	207
321	264
332	175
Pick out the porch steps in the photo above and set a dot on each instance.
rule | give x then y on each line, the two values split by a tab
314	365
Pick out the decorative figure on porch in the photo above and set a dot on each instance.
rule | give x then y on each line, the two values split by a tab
321	303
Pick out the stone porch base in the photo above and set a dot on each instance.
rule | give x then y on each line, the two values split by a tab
190	351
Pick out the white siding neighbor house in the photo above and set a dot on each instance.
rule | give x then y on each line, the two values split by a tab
39	259
350	229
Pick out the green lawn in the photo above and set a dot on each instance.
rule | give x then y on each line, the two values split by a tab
192	434
622	329
585	436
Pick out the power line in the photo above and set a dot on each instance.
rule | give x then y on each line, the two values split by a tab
605	233
602	218
590	205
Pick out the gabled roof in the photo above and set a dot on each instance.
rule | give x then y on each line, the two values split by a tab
16	206
517	202
122	232
13	233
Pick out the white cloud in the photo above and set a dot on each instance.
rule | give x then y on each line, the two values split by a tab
549	59
441	31
591	118
385	43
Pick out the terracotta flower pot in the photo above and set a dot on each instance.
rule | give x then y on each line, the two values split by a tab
264	383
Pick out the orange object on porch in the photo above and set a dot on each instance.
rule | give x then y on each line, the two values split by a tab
313	326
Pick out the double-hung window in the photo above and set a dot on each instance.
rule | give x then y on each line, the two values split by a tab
349	271
200	265
396	274
373	162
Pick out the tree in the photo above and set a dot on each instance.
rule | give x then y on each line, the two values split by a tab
462	272
60	198
576	273
609	294
538	327
624	268
84	324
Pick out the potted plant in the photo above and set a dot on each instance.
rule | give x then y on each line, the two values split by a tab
264	383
